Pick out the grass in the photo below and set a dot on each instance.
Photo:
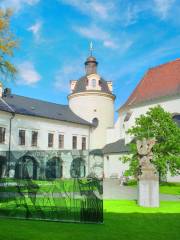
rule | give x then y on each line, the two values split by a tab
42	186
170	188
165	187
122	220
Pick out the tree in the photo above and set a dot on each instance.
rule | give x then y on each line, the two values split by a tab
158	124
7	45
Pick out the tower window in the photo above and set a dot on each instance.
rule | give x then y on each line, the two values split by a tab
95	122
93	82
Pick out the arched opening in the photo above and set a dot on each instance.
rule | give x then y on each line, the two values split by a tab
78	168
54	168
95	122
3	166
26	168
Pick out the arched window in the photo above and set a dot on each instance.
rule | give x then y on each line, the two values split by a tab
54	168
95	122
78	168
26	168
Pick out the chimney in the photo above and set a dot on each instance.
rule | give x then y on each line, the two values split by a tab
1	90
7	92
109	83
73	84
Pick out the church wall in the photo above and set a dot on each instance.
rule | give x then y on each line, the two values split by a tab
172	106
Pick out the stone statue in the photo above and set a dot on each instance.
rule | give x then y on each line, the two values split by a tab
144	149
148	185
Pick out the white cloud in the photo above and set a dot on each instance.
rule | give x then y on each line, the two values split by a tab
17	5
28	74
36	29
95	33
95	8
162	7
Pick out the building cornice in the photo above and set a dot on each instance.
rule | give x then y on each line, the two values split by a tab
92	92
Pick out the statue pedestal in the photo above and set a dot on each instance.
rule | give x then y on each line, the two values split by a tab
148	188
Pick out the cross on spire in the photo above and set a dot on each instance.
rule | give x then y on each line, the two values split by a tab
91	48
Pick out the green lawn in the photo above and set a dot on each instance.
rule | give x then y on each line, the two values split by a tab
165	188
123	220
170	188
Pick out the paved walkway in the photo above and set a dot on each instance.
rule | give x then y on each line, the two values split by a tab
113	190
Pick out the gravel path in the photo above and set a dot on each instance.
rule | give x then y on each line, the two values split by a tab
113	190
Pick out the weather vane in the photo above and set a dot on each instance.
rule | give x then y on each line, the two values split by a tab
91	48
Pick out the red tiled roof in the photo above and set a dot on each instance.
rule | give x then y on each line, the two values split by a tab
160	81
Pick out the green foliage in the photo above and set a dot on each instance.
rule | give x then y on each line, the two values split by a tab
7	45
158	124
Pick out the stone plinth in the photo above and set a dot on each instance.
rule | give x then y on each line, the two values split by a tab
148	188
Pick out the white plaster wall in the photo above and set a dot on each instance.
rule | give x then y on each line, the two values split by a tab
94	105
43	126
113	134
114	166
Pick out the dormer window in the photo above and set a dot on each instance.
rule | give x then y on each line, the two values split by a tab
93	82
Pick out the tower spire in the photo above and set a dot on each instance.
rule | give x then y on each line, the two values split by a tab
91	48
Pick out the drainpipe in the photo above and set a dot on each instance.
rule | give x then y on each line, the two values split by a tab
89	151
10	137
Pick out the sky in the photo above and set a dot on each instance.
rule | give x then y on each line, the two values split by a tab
129	37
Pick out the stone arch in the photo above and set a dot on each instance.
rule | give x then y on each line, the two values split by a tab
26	168
78	168
54	168
3	166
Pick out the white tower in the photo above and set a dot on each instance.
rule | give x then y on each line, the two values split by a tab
91	98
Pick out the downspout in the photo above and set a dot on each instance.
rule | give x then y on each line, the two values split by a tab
89	151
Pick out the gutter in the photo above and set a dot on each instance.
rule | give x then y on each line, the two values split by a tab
89	150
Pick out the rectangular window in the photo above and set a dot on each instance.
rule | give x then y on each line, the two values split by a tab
34	139
74	142
2	134
83	143
22	134
61	141
50	139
